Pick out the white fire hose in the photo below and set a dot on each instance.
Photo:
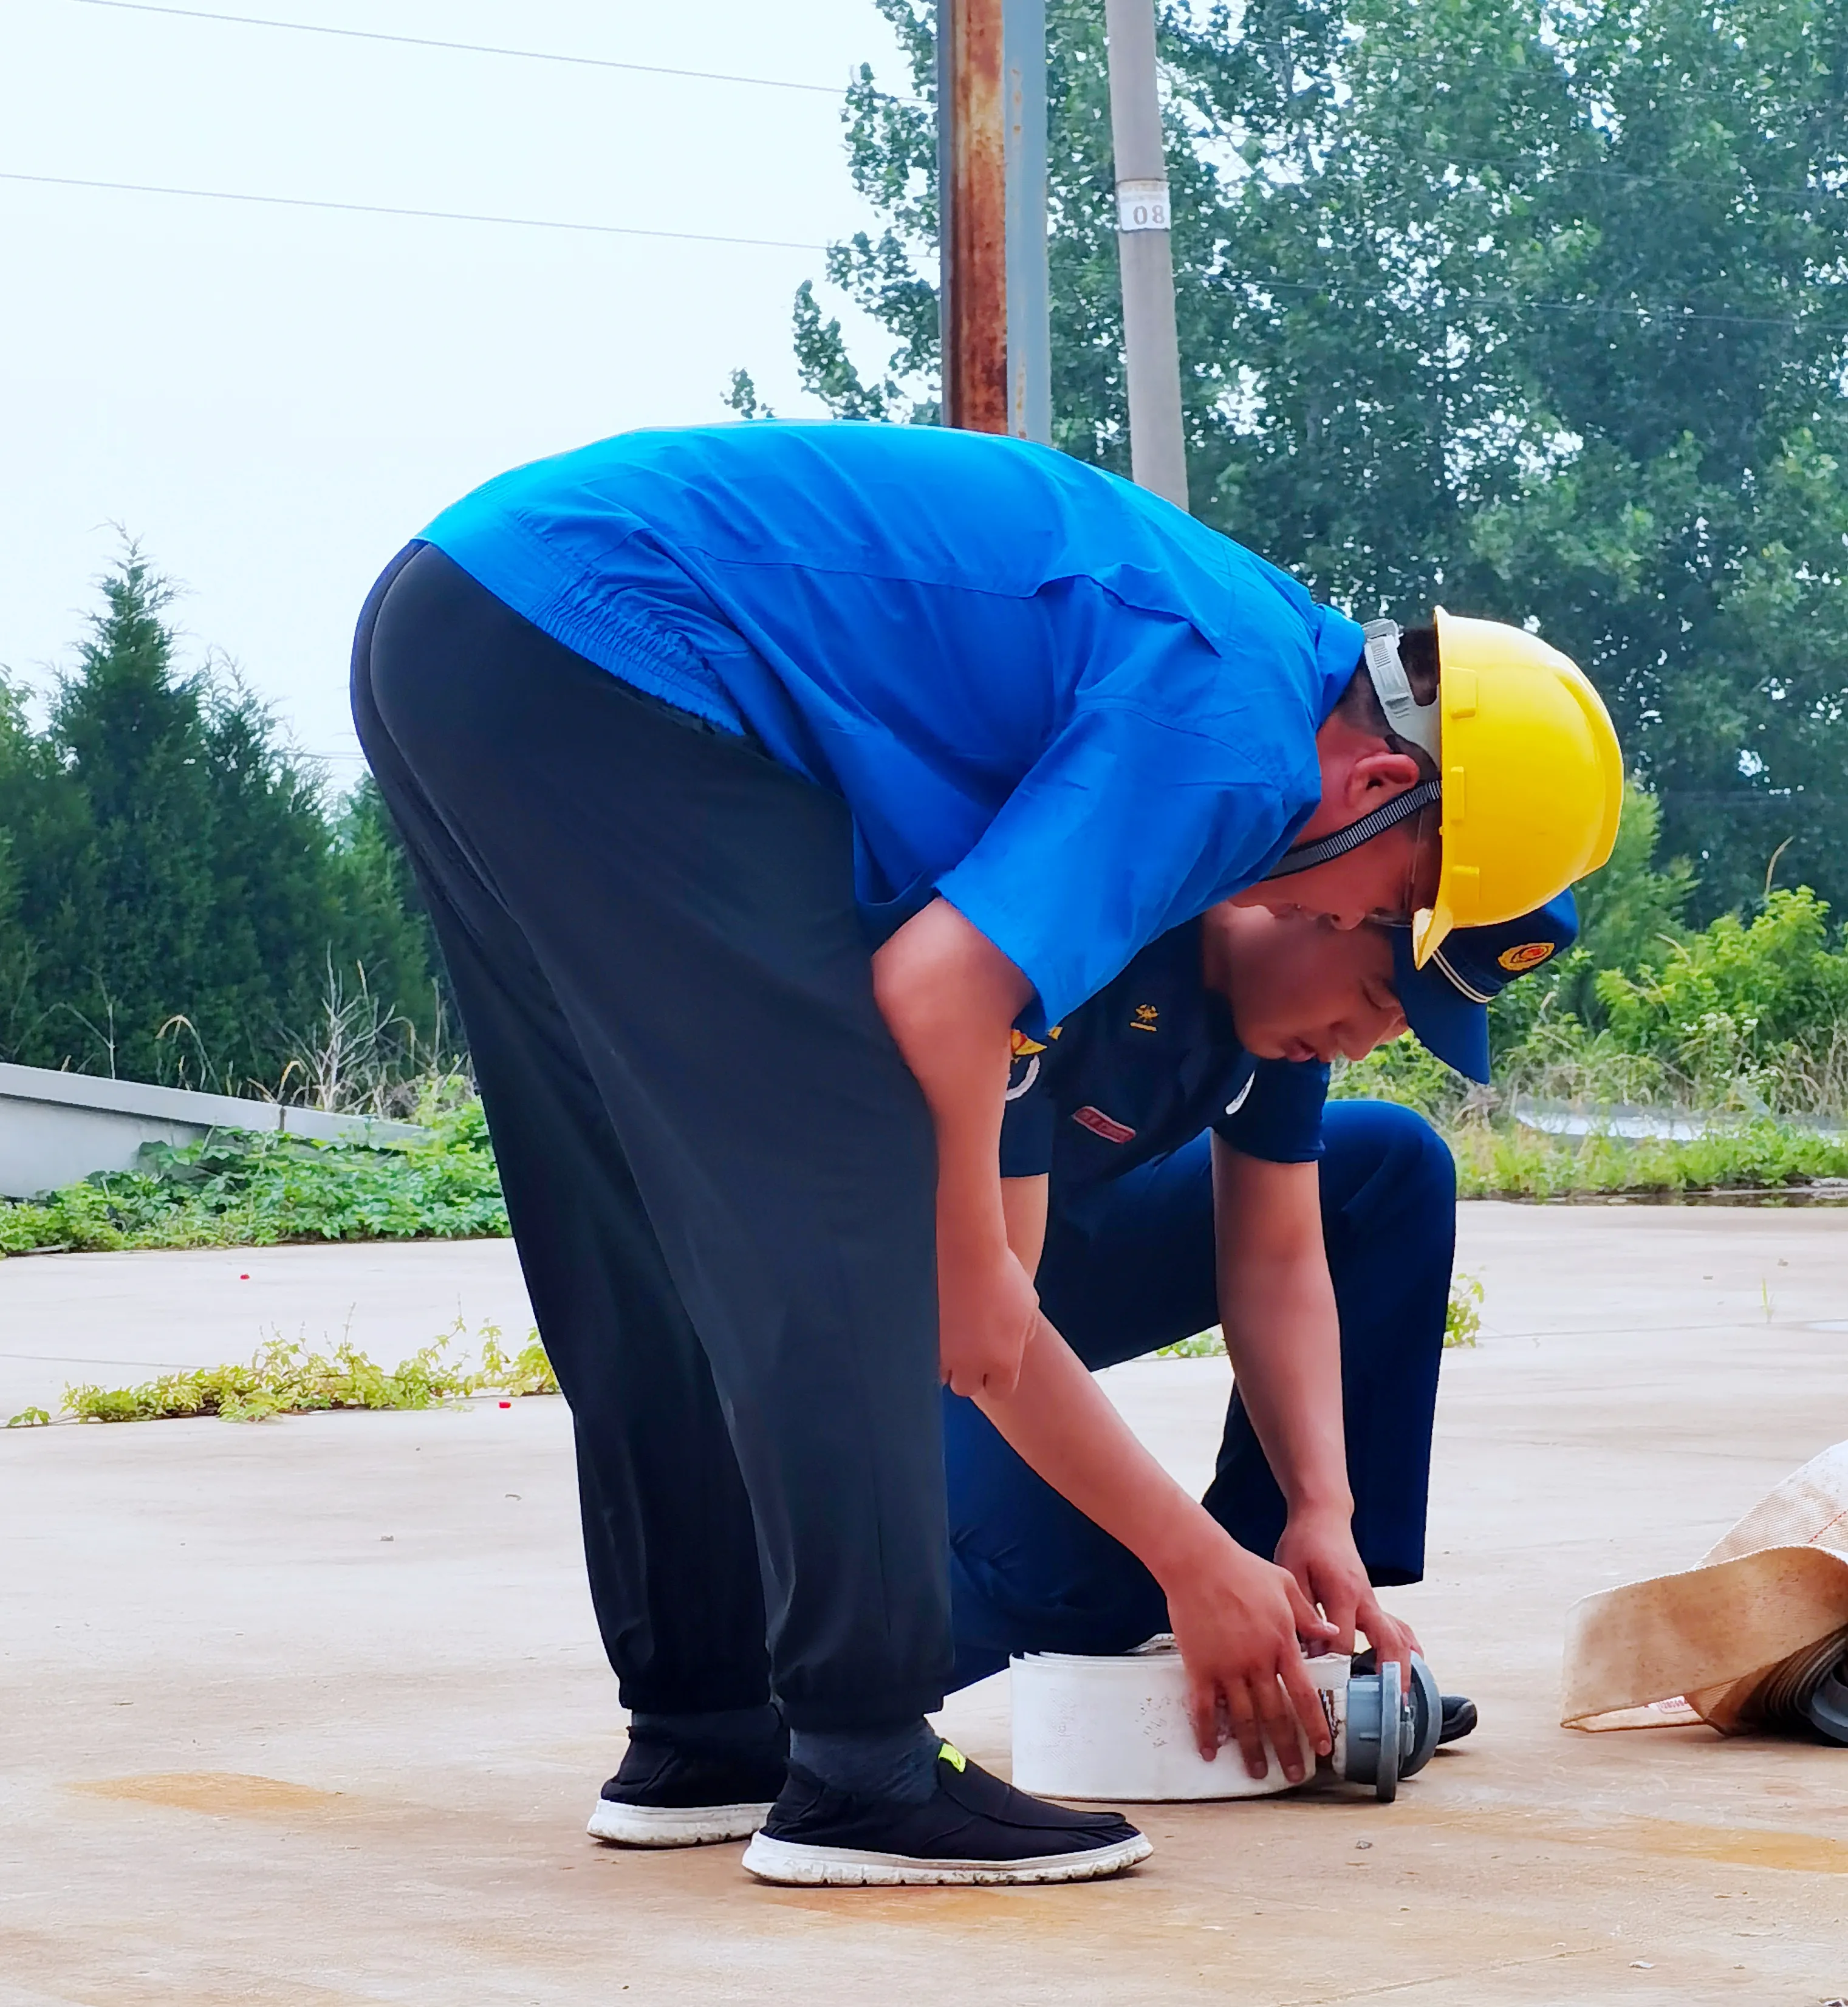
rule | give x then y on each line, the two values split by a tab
1117	1729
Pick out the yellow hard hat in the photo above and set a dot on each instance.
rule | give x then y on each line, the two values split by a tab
1532	777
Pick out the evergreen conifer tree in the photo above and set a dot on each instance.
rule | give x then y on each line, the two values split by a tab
177	904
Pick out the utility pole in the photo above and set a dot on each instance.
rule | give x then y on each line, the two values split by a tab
1151	347
991	192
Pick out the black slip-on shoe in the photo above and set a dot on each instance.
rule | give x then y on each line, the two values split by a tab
973	1827
1459	1715
666	1794
1459	1718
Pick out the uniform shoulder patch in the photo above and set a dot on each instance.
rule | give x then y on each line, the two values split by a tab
1530	955
1146	1019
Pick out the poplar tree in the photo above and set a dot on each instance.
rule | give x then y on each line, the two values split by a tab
1537	310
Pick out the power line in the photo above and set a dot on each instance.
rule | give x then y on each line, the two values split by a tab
426	215
1672	311
1510	162
467	48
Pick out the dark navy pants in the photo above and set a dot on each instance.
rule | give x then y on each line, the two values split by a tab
1029	1571
720	1174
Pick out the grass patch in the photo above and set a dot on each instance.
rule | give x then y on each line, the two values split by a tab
1759	1160
286	1378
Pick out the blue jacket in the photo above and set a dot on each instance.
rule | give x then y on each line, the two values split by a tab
1079	714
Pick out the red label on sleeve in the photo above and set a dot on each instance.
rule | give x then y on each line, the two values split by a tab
1100	1124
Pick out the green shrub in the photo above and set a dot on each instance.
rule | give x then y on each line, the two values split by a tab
1752	1013
238	1188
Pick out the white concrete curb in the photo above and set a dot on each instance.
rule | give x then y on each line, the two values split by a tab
57	1127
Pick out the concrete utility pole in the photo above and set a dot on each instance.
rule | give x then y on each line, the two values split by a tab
1151	348
991	191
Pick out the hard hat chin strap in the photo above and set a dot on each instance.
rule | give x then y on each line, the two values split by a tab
1325	849
1412	720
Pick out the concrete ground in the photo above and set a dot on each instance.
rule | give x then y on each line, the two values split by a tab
311	1712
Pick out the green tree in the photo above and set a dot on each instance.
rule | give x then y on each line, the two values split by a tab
385	931
1538	310
175	903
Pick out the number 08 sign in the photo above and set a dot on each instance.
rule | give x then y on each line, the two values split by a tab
1141	205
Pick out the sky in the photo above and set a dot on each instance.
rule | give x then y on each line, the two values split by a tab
273	401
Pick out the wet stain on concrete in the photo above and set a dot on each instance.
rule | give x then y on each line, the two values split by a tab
227	1794
1729	1846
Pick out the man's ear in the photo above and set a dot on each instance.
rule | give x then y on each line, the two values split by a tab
1376	778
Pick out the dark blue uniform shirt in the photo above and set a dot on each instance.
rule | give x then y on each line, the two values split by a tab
1076	713
1145	1065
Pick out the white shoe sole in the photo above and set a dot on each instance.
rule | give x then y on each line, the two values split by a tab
790	1863
669	1825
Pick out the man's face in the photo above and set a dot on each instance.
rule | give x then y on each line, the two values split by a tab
1300	989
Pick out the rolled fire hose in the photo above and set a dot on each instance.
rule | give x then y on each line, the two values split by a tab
1117	1729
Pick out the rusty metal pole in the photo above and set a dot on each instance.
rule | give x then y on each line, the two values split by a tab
972	196
991	193
1151	347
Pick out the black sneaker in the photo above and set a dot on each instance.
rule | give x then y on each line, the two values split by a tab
666	1794
974	1828
1459	1715
1459	1718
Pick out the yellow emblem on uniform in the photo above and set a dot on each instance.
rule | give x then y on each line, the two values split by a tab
1530	955
1145	1017
1019	1045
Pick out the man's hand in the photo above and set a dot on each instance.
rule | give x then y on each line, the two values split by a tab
1237	1620
1318	1550
986	1317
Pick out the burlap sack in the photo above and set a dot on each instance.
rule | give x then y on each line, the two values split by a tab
1709	1644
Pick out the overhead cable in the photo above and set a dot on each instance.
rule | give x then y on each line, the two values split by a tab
1670	311
426	215
467	48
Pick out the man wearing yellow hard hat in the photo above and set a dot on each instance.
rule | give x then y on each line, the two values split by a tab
762	782
1513	743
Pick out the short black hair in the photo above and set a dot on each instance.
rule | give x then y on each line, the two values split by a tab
1360	703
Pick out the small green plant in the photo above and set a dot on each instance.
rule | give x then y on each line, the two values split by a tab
28	1418
1463	1314
285	1379
1463	1325
1202	1344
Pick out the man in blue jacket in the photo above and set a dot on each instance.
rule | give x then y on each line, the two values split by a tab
761	780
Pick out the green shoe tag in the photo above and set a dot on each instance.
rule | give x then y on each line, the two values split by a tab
951	1755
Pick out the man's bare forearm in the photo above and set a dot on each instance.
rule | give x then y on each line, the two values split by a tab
1283	1333
949	998
1062	1425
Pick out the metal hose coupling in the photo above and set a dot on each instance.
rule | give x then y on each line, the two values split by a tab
1806	1693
